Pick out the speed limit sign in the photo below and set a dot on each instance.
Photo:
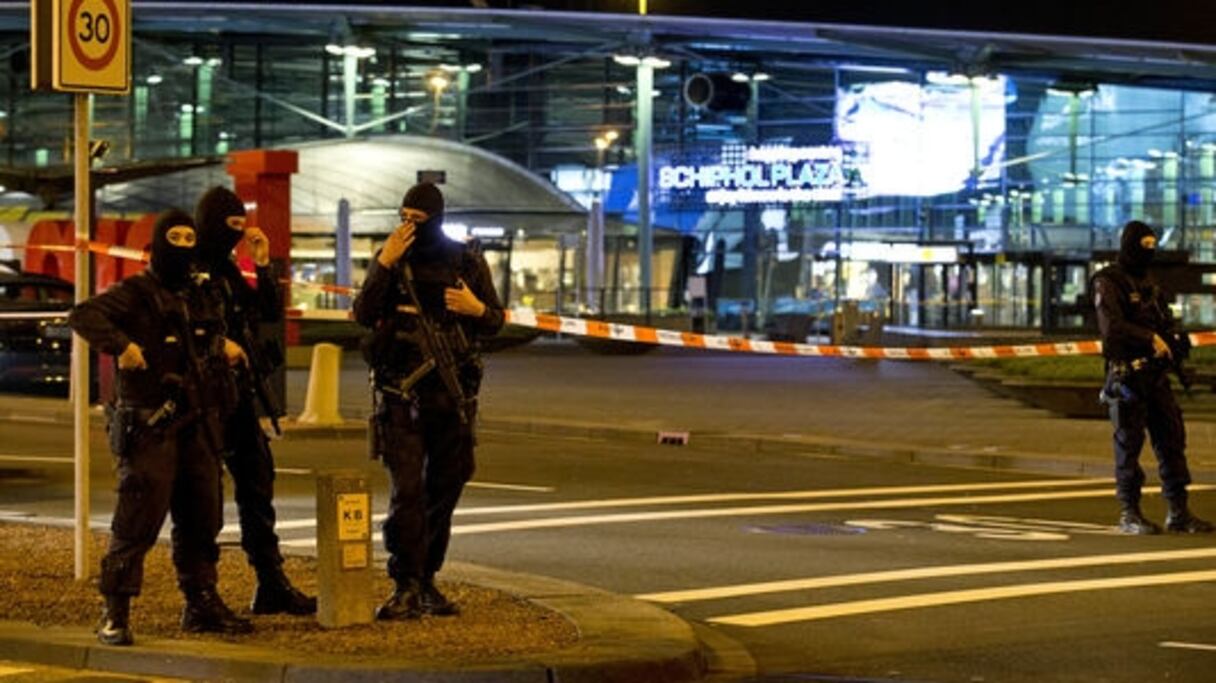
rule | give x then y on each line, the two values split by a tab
91	45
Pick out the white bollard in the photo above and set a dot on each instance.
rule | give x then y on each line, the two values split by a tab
321	401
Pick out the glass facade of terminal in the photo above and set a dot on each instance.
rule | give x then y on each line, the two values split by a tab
936	199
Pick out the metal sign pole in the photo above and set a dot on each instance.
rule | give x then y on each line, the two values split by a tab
80	348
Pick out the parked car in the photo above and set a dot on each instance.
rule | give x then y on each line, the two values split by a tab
35	340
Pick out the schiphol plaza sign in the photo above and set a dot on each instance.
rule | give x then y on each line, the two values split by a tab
770	175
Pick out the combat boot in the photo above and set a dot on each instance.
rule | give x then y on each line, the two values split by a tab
404	603
1132	521
205	612
275	595
1180	520
435	603
115	626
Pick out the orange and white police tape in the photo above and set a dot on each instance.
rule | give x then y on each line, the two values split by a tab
649	335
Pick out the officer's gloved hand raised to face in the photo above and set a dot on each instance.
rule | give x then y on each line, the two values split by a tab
132	358
259	246
399	241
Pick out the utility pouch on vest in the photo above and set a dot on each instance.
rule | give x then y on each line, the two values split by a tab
377	426
122	425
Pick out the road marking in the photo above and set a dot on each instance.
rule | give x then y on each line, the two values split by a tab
37	458
509	487
1188	646
587	520
958	597
917	573
37	419
293	471
6	671
704	513
778	495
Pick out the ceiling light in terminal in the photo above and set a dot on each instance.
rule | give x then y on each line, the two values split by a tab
457	68
193	60
627	60
872	69
155	79
438	82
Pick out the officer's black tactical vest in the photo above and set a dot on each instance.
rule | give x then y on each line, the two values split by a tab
1139	303
164	348
385	351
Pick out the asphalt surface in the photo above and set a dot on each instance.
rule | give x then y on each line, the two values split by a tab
888	570
618	517
887	403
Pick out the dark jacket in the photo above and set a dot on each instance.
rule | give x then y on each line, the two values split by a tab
242	303
1130	310
381	300
244	308
134	310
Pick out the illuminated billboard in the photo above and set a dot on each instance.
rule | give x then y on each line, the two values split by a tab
919	137
773	174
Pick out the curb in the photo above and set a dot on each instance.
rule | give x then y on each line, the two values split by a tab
620	640
1039	463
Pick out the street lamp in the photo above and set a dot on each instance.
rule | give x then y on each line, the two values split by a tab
594	267
643	139
437	81
463	73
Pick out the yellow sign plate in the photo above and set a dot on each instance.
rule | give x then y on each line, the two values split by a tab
354	556
354	516
92	46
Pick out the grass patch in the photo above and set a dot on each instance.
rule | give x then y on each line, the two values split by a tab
1080	367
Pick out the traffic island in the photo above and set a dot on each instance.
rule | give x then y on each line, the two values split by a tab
511	628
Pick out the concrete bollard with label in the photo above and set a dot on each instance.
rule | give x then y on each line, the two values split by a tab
344	549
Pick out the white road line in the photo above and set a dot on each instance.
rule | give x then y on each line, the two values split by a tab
917	573
1188	646
509	487
667	500
293	470
588	520
958	597
58	460
778	495
38	419
6	671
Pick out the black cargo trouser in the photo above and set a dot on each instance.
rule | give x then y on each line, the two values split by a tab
251	464
429	456
1152	406
165	473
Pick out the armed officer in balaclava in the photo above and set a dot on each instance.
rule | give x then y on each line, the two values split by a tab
171	356
1139	338
428	300
221	223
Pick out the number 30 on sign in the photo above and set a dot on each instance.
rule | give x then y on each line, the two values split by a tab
90	44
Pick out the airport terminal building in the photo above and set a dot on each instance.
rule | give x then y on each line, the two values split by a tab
621	164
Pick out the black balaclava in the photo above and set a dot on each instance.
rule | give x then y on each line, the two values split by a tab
171	264
1132	255
429	237
216	238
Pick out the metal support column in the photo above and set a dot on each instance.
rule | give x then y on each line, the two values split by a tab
644	147
80	348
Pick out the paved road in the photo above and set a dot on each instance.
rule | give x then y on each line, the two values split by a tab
906	404
824	568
